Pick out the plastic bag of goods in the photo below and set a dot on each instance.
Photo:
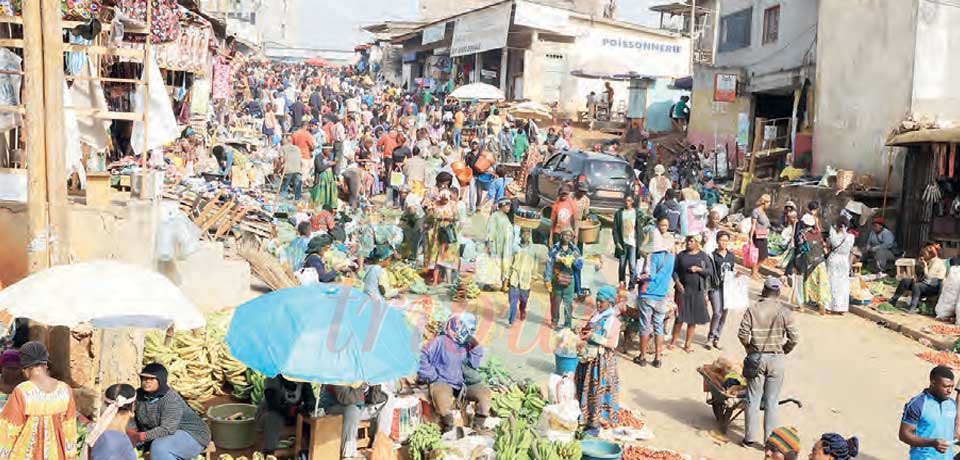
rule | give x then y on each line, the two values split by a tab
559	422
177	235
469	448
561	389
949	295
564	343
736	293
488	271
407	415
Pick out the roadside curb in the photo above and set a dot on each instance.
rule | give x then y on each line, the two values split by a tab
935	341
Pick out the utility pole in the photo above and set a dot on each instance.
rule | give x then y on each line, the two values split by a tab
53	87
35	146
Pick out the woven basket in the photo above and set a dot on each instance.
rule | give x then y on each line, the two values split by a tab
524	222
844	179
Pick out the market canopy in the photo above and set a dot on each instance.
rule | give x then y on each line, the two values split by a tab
531	110
329	334
947	135
478	92
106	294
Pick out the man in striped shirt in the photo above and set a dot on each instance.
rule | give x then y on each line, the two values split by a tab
767	332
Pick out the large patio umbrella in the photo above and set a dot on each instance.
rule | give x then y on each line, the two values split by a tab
106	294
324	334
531	110
481	92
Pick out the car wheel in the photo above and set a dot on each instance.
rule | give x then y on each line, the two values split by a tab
532	197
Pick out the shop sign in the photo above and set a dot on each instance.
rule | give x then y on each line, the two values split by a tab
632	52
542	17
409	57
481	30
434	33
725	87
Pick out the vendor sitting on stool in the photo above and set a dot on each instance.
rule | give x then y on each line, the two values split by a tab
881	246
442	363
282	401
931	271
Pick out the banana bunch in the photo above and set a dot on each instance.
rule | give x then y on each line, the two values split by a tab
567	261
508	403
543	449
568	450
514	439
464	289
533	403
423	441
402	275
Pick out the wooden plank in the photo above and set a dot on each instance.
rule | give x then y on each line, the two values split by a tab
11	19
106	114
13	109
145	75
109	51
35	152
109	79
11	42
54	127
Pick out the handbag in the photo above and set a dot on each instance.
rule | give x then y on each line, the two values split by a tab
751	255
448	235
396	179
761	233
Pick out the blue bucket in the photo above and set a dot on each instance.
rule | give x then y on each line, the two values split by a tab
566	364
595	449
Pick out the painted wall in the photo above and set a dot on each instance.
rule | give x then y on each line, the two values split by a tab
795	43
936	68
864	87
714	123
660	97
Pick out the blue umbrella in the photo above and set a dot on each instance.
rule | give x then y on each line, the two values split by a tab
324	334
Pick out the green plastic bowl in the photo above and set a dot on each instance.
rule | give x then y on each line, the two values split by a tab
595	449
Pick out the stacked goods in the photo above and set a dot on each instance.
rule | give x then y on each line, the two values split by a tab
515	439
402	276
199	363
423	441
526	403
464	288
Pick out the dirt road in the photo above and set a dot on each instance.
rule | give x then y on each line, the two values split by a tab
853	377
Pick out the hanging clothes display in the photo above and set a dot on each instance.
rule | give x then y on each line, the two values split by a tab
72	10
164	18
163	124
222	80
10	82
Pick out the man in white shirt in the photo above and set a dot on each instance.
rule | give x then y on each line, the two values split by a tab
561	144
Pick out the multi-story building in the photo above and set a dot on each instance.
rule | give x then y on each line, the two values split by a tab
241	18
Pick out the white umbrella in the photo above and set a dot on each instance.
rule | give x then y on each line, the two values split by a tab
478	92
531	109
103	293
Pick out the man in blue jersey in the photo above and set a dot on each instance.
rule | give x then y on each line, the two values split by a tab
929	419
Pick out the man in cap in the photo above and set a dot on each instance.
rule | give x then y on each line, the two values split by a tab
767	332
881	245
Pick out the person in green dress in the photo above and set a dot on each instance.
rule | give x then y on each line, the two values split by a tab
520	145
500	239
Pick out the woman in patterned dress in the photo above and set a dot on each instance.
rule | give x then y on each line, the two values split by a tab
597	380
39	421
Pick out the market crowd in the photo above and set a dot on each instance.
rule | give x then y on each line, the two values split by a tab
373	176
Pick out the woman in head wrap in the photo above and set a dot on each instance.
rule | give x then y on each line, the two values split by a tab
11	375
558	276
376	281
693	273
597	380
500	240
442	363
165	421
810	263
108	440
441	231
39	421
832	446
783	444
315	250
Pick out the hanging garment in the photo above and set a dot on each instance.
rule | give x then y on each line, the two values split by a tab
10	87
164	18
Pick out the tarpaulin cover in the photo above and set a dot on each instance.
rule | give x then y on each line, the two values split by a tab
324	333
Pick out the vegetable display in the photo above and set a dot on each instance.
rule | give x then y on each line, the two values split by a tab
424	440
494	374
526	403
646	453
464	289
516	440
403	275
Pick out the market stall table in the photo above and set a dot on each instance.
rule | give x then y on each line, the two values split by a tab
324	434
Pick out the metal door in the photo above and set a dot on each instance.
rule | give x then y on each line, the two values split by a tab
554	69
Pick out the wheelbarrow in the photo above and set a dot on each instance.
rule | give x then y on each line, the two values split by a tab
728	406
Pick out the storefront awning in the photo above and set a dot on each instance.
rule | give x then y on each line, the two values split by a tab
948	135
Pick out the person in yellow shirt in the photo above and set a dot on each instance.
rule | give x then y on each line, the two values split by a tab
521	275
458	119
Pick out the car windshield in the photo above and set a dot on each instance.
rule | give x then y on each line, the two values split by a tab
609	170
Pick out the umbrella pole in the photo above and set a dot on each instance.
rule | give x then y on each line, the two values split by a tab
316	404
98	383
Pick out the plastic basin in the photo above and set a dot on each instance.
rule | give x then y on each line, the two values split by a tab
233	434
566	364
595	449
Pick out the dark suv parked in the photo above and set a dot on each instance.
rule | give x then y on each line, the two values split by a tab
609	179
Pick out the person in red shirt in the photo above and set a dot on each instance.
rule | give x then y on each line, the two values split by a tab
563	215
323	221
304	141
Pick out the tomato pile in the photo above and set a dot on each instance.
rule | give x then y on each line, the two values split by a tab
645	453
941	358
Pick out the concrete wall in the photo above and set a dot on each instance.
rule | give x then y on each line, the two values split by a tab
660	97
864	81
935	93
797	36
714	123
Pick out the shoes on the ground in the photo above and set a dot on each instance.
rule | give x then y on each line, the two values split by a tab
657	363
716	344
640	361
708	346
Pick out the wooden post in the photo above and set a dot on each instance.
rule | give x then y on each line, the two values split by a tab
693	31
145	76
35	145
54	130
